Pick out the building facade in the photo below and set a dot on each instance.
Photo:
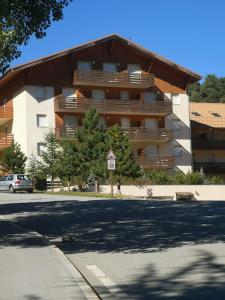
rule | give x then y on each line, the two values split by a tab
139	90
208	137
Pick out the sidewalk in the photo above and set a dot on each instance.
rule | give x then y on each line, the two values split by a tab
30	269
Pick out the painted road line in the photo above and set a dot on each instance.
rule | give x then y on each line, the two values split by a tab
107	282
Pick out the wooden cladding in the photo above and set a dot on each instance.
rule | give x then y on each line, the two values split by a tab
208	144
126	107
156	162
134	133
210	167
6	112
6	140
112	79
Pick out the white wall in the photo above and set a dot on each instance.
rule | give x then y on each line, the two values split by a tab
201	192
26	107
182	133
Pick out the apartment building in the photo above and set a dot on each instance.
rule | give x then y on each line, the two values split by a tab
139	90
208	137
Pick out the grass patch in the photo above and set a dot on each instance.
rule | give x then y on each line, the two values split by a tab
86	194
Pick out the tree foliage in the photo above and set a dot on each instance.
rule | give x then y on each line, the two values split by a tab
211	90
20	19
91	142
51	157
69	163
126	166
14	159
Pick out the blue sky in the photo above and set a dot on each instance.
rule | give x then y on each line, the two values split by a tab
191	33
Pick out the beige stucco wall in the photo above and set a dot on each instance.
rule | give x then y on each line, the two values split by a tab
179	121
26	107
201	192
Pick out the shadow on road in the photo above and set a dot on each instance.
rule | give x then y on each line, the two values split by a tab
204	279
119	225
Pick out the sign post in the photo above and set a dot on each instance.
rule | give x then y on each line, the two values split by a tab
111	164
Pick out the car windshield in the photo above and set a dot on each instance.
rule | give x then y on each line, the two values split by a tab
22	177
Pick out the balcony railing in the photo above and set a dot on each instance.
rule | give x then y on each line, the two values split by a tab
134	133
6	112
110	79
6	140
210	167
156	162
128	107
209	144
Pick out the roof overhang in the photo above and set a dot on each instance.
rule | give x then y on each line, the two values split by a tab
12	72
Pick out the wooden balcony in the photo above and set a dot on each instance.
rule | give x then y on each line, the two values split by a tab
134	133
156	162
113	79
147	134
125	107
6	114
210	167
209	144
6	140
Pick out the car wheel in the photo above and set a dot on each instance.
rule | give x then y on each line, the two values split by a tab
12	190
30	191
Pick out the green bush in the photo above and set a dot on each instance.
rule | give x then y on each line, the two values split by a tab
159	177
189	178
216	180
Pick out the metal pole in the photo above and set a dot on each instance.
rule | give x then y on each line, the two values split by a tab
111	180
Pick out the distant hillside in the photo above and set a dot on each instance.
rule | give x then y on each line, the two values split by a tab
211	90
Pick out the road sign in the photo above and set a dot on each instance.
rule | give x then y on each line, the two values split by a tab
111	164
111	155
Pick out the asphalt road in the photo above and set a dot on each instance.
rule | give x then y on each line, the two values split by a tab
133	249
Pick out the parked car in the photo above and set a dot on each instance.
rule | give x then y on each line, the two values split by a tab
16	182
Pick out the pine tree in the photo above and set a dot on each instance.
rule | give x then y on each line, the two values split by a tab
92	148
70	161
126	166
14	160
51	157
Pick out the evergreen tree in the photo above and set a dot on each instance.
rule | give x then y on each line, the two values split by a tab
92	149
70	161
14	160
126	166
211	90
51	157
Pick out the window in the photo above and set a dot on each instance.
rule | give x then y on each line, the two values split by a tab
98	94
149	96
3	178
175	99
110	67
84	65
41	93
124	95
10	178
40	148
42	121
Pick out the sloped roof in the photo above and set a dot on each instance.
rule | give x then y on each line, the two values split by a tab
15	70
207	114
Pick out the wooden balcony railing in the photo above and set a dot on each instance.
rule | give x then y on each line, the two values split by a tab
157	134
156	162
128	107
134	133
6	140
209	144
110	79
210	167
6	112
